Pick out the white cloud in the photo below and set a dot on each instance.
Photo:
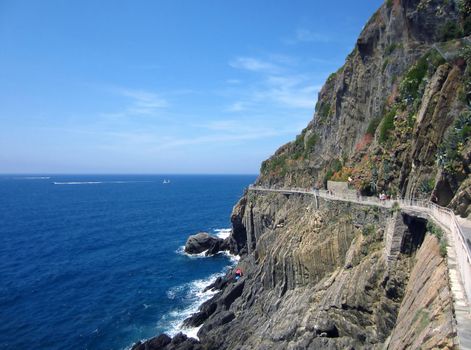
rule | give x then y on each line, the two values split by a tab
238	106
253	64
290	91
138	103
233	81
278	87
303	35
236	134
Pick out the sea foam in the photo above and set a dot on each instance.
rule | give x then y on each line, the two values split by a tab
194	293
223	232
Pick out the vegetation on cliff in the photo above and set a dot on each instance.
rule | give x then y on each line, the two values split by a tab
395	117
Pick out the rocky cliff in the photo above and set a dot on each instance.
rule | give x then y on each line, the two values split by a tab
396	117
323	274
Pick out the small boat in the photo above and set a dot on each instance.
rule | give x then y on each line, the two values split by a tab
166	182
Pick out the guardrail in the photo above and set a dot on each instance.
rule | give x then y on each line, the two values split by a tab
444	216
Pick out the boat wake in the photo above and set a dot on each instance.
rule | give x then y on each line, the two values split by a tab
95	182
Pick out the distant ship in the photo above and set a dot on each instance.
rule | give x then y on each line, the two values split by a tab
166	182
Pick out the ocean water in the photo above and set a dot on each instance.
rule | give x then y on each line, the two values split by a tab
95	262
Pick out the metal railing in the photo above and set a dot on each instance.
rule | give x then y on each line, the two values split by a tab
443	216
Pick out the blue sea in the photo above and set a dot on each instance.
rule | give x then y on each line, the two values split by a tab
96	262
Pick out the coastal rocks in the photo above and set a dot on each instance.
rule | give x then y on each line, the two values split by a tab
164	342
203	242
218	303
222	318
321	281
298	291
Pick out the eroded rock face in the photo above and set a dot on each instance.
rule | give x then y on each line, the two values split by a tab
320	280
425	318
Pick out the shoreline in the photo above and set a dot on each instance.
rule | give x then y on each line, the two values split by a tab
193	289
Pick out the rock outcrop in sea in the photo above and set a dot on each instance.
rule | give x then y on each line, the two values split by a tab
203	242
319	274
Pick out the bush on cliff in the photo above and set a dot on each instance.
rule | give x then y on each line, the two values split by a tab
450	30
409	87
387	126
450	157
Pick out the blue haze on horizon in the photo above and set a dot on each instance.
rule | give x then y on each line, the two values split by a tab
167	86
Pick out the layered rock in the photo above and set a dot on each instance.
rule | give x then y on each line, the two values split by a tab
425	319
323	279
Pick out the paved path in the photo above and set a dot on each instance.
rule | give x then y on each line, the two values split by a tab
458	232
466	228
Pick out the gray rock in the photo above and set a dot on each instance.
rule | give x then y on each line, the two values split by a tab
201	242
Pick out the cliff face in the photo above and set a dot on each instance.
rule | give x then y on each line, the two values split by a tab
425	316
392	117
318	274
322	274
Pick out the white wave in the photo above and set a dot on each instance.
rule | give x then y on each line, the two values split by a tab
78	183
181	251
193	293
193	332
223	232
33	177
173	292
234	258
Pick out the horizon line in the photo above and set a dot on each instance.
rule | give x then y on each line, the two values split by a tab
130	174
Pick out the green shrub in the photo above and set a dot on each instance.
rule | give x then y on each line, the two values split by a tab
424	320
467	26
335	166
390	48
438	232
450	30
369	229
325	111
389	3
409	87
443	249
449	152
387	126
385	65
434	230
297	149
427	185
276	164
435	59
395	207
311	142
465	8
465	11
331	76
373	125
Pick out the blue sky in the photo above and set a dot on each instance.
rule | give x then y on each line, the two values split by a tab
164	86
